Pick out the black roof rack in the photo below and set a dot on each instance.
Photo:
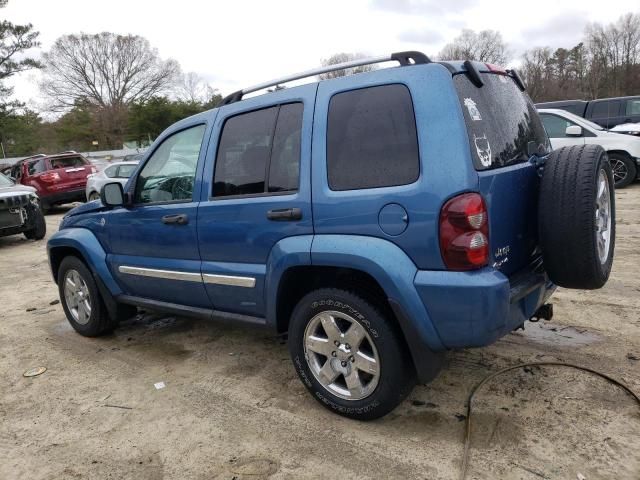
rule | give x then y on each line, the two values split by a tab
403	58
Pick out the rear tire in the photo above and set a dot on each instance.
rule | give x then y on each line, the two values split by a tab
363	376
94	196
40	226
577	217
624	169
81	299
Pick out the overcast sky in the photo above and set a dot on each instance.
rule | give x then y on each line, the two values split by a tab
236	43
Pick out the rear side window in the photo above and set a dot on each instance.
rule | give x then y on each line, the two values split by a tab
600	110
503	125
371	139
125	171
38	166
259	152
111	171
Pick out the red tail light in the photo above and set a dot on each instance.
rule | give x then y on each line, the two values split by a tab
464	232
50	177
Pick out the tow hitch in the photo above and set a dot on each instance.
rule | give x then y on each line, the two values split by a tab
545	312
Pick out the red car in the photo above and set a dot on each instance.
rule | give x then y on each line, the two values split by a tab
57	178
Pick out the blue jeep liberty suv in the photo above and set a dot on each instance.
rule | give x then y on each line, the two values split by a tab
377	219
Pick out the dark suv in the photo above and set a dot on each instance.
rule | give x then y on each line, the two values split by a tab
378	220
606	112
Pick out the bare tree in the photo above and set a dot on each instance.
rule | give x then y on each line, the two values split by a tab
486	46
193	88
341	58
107	72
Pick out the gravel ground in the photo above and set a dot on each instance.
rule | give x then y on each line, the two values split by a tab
233	407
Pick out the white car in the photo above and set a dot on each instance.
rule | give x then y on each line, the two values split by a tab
116	172
565	129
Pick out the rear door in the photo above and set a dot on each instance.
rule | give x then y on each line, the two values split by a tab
505	132
256	192
72	171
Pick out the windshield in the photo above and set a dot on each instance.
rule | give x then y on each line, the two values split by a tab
502	123
5	182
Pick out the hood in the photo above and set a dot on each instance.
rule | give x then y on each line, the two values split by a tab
627	127
88	207
16	190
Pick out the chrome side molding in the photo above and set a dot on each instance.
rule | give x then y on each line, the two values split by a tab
230	280
248	282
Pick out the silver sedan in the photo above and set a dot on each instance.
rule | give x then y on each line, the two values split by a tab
116	172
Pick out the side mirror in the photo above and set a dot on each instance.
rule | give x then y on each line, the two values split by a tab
112	195
573	131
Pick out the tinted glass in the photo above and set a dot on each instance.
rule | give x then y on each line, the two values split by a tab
503	125
67	162
632	107
284	169
600	110
125	171
555	126
243	153
170	172
371	139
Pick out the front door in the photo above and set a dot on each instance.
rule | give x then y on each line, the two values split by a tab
154	243
256	193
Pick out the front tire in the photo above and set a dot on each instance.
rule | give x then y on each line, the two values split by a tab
349	355
81	299
39	229
624	169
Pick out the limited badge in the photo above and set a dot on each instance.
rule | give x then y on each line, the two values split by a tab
472	108
484	149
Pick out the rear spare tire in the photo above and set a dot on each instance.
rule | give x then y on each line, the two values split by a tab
577	217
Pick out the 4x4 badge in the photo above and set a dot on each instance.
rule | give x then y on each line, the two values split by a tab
472	108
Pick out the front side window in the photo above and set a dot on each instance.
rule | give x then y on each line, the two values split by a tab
556	126
169	174
111	171
259	152
371	139
125	171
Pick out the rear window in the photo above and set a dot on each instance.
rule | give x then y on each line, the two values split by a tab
502	123
67	162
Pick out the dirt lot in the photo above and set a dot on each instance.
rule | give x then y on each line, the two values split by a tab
233	407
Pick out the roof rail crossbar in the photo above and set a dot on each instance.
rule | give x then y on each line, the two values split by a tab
404	58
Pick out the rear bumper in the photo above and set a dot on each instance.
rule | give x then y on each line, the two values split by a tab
67	196
474	309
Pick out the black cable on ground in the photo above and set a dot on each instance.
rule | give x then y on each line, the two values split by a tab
467	433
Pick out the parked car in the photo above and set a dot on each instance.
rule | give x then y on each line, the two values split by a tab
606	112
58	178
627	128
566	129
20	210
119	171
377	219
